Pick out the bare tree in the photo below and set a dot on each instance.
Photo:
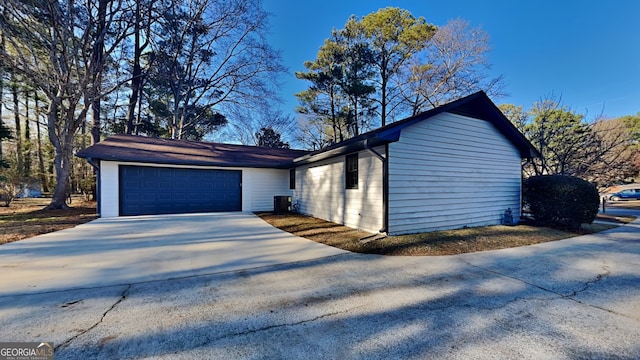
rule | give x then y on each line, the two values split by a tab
313	134
616	158
453	64
245	125
50	43
209	55
141	41
601	151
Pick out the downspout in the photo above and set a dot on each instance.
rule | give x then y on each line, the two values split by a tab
385	184
96	167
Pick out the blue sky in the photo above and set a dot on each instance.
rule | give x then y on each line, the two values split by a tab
586	51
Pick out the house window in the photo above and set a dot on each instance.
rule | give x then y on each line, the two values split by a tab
352	171
292	178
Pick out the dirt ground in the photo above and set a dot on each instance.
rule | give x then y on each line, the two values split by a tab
448	242
25	218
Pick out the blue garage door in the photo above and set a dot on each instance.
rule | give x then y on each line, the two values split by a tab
155	190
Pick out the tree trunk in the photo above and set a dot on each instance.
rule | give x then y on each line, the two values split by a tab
41	170
16	116
97	66
96	110
95	136
61	191
62	158
27	138
383	102
136	75
95	125
356	130
415	107
175	117
337	129
138	119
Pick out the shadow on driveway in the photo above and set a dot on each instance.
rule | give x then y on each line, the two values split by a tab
576	298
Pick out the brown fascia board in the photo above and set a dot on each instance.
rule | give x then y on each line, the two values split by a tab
129	148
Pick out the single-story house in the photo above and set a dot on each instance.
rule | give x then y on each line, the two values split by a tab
458	165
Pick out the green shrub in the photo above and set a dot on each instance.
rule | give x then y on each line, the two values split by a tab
561	201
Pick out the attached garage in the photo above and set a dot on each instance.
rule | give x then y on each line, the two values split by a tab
146	190
150	176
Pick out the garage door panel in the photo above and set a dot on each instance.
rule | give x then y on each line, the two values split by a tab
165	185
154	190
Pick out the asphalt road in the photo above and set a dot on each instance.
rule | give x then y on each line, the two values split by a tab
572	299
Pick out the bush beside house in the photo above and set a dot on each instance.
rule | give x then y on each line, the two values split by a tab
561	201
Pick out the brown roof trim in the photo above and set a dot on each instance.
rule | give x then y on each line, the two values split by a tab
130	148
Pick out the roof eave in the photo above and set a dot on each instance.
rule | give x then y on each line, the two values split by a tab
348	147
273	165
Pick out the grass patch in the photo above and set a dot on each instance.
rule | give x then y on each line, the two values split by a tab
448	242
315	229
25	218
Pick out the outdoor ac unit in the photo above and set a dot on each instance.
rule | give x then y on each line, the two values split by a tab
281	204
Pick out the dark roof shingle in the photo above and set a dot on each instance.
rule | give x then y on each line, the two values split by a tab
130	148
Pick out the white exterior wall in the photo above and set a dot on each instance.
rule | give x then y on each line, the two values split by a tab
320	192
449	172
109	189
259	186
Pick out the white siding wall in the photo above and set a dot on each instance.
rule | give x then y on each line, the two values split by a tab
259	186
320	192
109	189
264	184
449	172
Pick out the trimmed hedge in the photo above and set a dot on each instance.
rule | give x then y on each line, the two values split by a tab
561	201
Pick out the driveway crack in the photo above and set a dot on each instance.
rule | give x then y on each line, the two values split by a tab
588	284
570	297
514	278
276	326
120	299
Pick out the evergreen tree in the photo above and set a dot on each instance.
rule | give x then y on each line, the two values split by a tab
267	137
394	36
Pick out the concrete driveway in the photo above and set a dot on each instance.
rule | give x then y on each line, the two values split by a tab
145	248
572	299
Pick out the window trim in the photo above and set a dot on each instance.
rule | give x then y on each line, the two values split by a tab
351	173
292	179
